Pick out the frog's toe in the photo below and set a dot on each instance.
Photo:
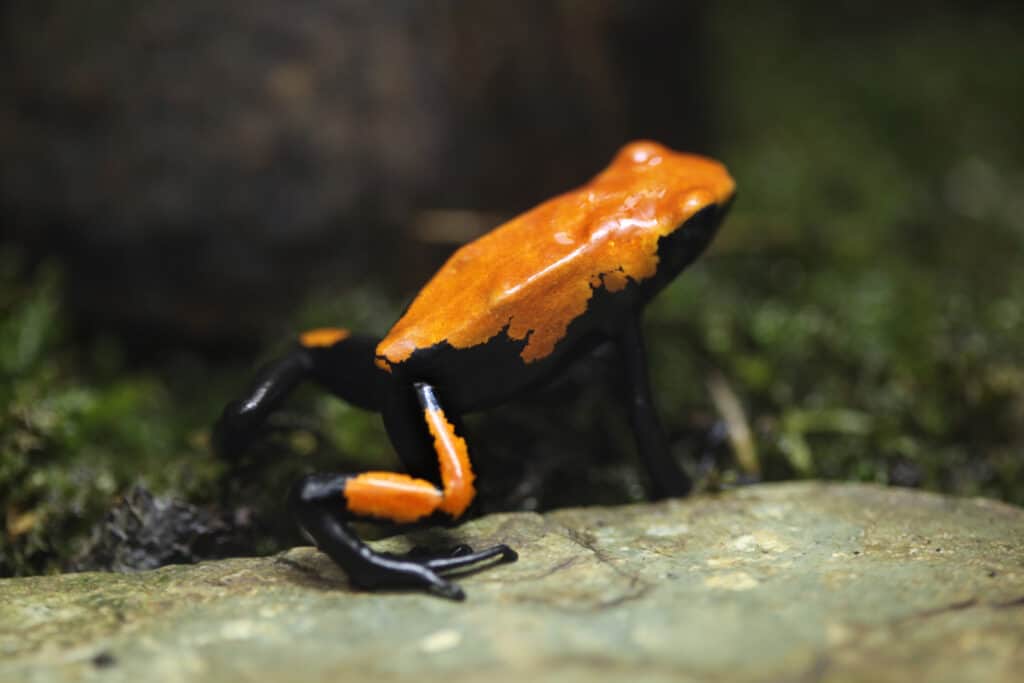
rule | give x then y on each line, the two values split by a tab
448	590
456	557
421	553
465	556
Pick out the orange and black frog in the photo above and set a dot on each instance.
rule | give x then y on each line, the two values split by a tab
504	315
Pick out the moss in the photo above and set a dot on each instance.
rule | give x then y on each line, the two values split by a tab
75	430
81	427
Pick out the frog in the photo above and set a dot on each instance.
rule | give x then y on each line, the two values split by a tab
506	314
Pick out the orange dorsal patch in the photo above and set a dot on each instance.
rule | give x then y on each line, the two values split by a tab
536	273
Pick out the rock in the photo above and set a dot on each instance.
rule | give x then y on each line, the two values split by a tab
144	531
798	581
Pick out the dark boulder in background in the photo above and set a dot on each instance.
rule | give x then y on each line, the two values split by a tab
196	166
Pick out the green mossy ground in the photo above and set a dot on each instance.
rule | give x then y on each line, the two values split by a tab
864	305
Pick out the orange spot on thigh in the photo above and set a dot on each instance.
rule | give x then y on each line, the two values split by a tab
393	496
324	336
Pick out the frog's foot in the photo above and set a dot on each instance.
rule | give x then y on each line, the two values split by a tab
314	501
380	571
420	568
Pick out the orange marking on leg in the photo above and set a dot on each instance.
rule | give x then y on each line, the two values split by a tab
324	336
393	496
456	472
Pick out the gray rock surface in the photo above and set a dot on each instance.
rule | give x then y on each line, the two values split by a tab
790	582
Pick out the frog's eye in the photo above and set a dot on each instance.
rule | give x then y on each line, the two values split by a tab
643	152
695	200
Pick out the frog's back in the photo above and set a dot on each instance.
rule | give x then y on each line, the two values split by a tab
531	277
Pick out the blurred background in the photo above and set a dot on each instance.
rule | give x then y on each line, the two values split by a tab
184	185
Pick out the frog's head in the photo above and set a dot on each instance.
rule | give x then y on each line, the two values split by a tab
671	202
668	186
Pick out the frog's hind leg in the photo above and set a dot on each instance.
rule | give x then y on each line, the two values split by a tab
339	361
324	503
322	507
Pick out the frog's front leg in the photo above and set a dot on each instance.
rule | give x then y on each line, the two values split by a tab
324	503
667	479
334	358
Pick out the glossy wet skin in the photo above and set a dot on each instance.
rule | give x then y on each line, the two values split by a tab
505	313
531	277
